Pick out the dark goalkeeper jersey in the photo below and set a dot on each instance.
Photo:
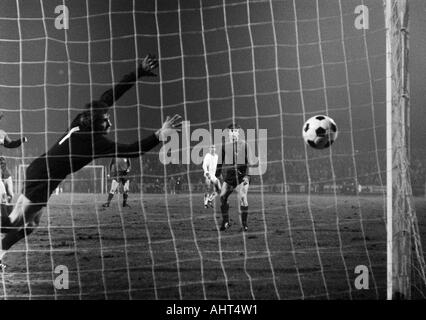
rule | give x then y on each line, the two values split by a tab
81	149
46	172
76	149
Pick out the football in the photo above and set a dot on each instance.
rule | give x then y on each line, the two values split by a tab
319	132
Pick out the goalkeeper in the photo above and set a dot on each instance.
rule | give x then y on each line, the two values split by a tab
84	141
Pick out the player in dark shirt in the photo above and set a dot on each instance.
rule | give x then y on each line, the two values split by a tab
84	141
234	169
119	169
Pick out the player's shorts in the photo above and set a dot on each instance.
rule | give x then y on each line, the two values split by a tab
115	184
234	180
38	187
120	177
211	179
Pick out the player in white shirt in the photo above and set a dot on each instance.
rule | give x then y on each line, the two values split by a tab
212	183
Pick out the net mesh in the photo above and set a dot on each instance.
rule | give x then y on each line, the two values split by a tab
314	216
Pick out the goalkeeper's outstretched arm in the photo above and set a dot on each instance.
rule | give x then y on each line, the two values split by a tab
107	148
146	65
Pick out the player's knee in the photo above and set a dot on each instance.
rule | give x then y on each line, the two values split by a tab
244	202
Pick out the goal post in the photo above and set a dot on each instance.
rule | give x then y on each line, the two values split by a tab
402	227
89	179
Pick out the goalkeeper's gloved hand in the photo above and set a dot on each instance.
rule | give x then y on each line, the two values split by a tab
169	126
148	63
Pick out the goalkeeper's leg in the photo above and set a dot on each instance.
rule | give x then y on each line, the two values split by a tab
114	186
23	220
224	206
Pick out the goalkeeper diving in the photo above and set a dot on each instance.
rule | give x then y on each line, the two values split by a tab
85	140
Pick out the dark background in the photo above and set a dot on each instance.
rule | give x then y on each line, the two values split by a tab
220	60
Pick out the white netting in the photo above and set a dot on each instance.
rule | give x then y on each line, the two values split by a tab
313	216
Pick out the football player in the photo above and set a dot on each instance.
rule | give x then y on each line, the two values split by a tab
119	169
6	179
234	169
7	142
83	142
212	183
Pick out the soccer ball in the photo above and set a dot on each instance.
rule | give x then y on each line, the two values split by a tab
319	132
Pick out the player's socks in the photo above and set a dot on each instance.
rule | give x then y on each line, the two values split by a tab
225	225
224	208
244	216
125	196
110	196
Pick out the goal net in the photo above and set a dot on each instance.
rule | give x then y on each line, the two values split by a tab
317	218
89	179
